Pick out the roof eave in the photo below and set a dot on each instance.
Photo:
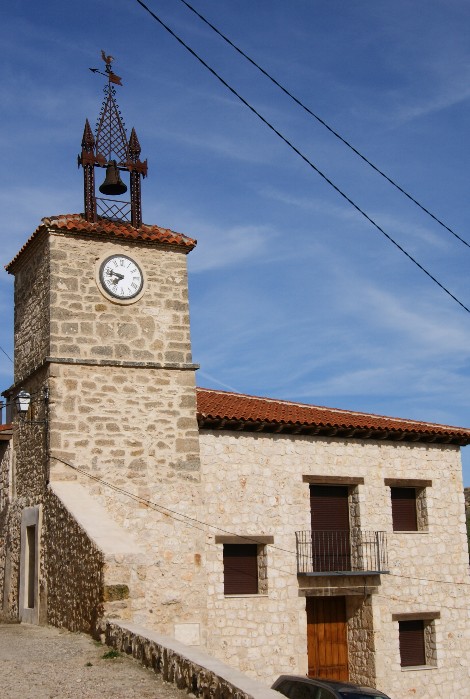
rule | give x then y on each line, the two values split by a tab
49	225
234	424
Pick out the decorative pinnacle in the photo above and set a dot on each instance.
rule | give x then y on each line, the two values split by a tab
88	140
133	149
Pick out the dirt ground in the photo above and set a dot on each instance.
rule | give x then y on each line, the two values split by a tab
38	662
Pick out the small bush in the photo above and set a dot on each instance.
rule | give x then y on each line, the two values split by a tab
111	654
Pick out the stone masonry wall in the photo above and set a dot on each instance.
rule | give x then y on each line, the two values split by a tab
5	467
123	409
361	646
86	325
32	309
72	578
27	474
187	668
30	465
25	485
253	485
99	428
10	564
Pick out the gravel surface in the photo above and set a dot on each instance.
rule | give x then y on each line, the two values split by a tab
41	662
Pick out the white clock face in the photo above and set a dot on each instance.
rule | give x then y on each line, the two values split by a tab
121	277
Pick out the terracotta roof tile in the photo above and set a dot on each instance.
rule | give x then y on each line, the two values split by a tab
224	410
6	432
106	228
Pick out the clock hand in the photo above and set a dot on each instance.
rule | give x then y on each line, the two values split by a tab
116	274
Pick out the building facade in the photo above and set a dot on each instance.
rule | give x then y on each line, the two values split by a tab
375	589
282	538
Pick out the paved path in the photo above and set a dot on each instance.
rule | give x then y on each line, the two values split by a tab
40	662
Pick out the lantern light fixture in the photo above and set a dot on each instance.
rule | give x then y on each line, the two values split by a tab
22	401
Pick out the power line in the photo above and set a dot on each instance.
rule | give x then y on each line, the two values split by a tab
185	519
301	155
203	526
6	355
324	123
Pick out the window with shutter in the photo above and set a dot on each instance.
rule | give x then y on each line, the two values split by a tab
240	569
412	644
329	507
404	512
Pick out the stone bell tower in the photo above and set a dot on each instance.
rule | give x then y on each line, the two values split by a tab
102	328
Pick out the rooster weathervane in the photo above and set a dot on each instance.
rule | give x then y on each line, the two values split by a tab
112	77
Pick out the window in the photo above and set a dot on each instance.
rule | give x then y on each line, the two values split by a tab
404	512
245	563
240	569
329	511
417	639
297	689
409	508
412	651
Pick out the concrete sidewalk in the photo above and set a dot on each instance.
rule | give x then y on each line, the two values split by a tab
38	662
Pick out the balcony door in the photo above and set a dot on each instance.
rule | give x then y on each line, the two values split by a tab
327	638
329	507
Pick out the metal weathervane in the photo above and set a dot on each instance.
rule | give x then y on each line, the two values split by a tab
109	148
113	78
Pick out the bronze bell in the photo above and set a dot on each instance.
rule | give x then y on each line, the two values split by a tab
112	182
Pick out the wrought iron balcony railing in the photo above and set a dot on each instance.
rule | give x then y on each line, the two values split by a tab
355	552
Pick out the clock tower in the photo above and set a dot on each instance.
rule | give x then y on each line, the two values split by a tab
106	461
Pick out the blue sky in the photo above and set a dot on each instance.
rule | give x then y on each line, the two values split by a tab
293	294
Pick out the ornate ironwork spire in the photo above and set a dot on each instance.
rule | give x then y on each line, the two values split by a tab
109	148
111	139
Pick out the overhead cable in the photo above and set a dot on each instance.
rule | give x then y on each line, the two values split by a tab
6	355
173	514
301	155
324	123
203	526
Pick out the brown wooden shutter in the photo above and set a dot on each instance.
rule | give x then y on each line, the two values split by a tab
412	651
329	507
240	569
404	509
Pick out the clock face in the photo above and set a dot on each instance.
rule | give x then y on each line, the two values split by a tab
121	277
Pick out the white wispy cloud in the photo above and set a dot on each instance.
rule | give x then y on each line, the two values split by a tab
448	96
224	146
218	248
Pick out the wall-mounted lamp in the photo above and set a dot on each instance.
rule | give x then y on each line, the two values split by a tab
22	402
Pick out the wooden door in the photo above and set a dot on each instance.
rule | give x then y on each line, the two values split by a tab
327	638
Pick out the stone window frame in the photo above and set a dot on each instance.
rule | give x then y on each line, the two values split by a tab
429	637
262	542
420	486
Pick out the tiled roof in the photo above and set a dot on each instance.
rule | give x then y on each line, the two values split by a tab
6	432
234	411
107	228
